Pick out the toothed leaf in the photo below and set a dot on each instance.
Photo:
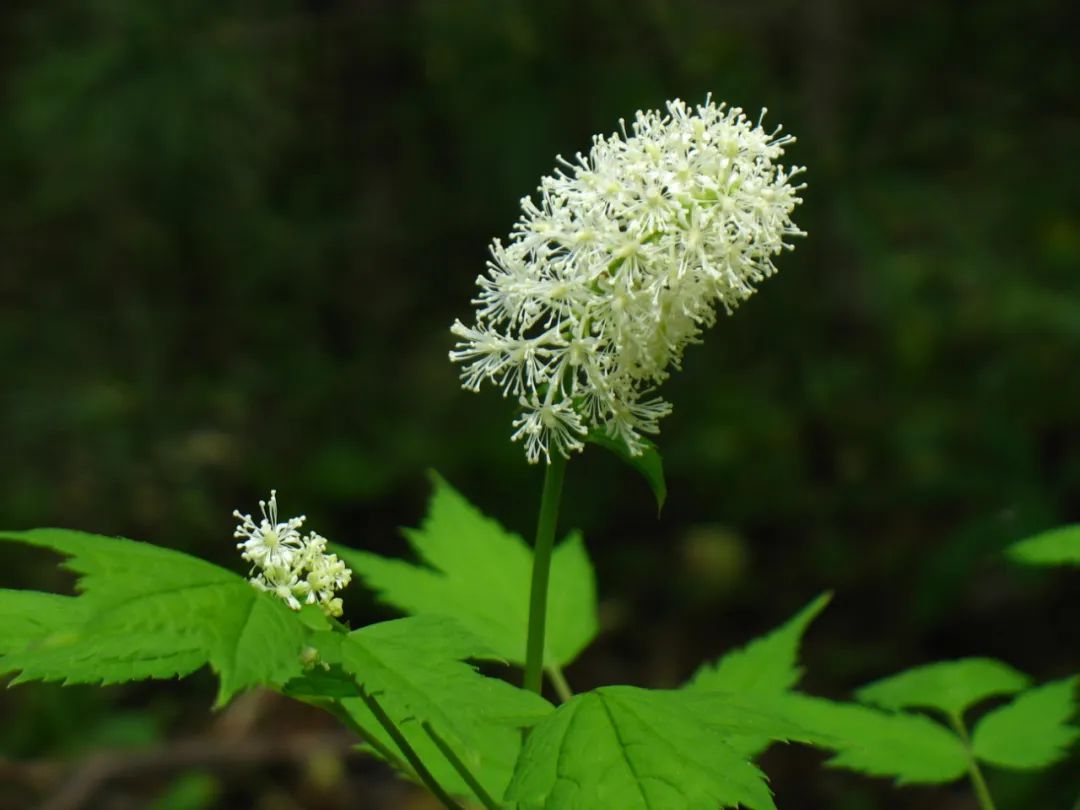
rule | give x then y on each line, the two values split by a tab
911	748
477	572
145	612
636	749
1033	731
949	686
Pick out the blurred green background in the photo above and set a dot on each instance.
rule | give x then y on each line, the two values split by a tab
234	237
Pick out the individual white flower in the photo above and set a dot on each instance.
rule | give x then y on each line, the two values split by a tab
295	568
546	426
270	542
619	264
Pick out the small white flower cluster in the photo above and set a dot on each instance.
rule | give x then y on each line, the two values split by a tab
294	567
621	264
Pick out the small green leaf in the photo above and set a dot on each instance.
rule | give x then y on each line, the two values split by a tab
635	749
1032	732
1055	547
415	669
478	573
949	686
146	612
767	665
912	748
649	462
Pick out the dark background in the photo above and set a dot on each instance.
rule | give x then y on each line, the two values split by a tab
233	237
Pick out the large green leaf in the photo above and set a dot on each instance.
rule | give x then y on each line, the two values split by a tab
636	749
1055	547
1032	731
767	665
479	573
912	748
145	612
414	668
949	686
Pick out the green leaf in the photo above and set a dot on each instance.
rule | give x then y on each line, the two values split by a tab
912	748
414	668
649	462
489	753
949	686
1032	732
636	749
1055	547
26	616
146	612
767	665
479	573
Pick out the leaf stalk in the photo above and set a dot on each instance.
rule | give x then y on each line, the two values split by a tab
418	766
558	680
462	769
978	782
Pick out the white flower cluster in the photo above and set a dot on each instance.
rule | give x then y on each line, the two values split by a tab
620	264
294	567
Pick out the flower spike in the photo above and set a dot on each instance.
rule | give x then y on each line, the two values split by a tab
621	262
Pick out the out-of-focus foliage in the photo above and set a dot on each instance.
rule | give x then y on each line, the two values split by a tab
234	238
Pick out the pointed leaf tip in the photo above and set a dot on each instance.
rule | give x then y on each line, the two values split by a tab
648	463
768	664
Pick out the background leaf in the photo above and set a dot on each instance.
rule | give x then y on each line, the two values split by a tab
1032	731
147	612
1055	547
950	686
479	573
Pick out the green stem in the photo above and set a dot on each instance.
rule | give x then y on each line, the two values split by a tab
545	541
407	750
982	791
462	769
558	680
